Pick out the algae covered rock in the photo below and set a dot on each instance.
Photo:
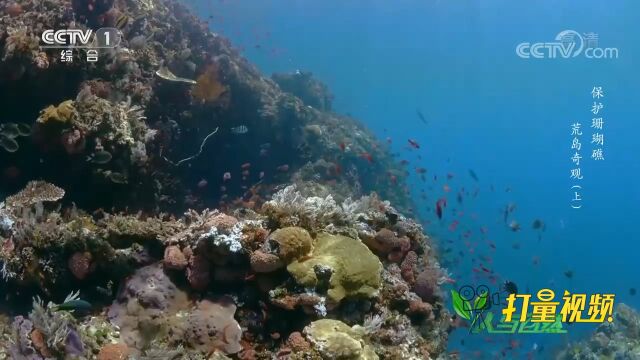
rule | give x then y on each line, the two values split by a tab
349	267
334	339
292	243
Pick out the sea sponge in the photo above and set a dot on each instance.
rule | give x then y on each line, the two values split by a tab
212	327
334	339
65	112
291	243
349	266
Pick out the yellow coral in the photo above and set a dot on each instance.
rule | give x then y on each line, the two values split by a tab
208	87
336	340
354	270
65	112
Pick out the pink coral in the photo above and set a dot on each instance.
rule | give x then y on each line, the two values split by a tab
198	272
80	264
174	259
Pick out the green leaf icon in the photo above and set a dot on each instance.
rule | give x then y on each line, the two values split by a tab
460	305
481	301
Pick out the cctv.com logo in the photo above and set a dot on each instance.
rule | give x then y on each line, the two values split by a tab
568	44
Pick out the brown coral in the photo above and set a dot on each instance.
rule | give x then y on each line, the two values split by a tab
38	341
262	262
386	241
74	141
13	9
114	352
408	267
298	343
174	258
198	272
35	192
208	87
426	285
291	243
222	222
80	264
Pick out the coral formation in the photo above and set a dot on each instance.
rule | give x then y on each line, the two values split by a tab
619	339
336	340
35	192
344	265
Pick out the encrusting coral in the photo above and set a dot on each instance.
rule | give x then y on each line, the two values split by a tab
344	265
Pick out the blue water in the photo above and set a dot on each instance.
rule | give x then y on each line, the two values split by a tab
488	110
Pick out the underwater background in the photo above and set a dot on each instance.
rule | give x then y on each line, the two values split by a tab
507	118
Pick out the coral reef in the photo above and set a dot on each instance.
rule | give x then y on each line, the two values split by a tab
214	212
215	282
619	339
302	84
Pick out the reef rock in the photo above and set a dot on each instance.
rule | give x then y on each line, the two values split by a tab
211	327
146	306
